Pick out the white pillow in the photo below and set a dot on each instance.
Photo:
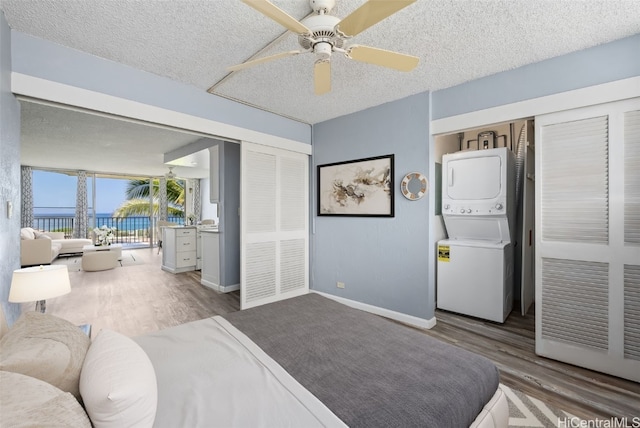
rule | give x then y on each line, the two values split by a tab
27	233
45	347
118	384
29	402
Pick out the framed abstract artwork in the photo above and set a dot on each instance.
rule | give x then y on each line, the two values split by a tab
358	188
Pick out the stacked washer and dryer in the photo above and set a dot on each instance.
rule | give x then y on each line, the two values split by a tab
476	263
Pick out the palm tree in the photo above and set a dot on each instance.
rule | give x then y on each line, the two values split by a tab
137	202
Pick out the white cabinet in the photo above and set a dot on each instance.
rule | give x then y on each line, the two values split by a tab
210	274
220	268
179	249
199	242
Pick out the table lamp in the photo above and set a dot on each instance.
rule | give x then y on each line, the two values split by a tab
39	283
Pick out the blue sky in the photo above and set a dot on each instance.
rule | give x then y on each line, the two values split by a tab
51	189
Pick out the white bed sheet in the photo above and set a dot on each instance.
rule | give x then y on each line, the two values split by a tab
210	374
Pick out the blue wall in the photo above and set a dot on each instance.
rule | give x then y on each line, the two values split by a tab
41	58
9	175
605	63
382	261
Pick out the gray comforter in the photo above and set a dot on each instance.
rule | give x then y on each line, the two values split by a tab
370	371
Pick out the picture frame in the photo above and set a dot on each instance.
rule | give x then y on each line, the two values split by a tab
356	188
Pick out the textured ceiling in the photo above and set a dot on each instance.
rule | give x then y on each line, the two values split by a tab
193	41
53	137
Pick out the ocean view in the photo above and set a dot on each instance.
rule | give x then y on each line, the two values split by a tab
44	221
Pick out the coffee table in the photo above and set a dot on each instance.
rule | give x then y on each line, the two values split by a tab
113	247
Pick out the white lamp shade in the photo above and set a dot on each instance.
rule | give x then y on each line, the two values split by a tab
39	283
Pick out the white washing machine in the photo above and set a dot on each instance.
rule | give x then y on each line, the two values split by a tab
476	278
475	265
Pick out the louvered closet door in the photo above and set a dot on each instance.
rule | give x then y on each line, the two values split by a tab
588	237
274	233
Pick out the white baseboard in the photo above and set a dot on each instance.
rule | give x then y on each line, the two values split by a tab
220	288
176	270
398	316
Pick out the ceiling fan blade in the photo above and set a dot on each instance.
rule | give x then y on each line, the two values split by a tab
322	77
383	57
261	60
370	13
281	17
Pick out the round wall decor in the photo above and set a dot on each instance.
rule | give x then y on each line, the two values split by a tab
414	185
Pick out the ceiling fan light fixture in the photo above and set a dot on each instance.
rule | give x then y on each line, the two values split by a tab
323	50
170	175
322	30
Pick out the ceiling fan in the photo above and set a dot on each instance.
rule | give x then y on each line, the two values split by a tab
323	34
170	175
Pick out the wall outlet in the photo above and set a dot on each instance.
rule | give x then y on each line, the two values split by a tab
340	284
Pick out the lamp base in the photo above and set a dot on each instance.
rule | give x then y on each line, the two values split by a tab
41	306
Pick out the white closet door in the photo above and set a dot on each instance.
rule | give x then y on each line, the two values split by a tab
274	234
632	233
587	240
527	239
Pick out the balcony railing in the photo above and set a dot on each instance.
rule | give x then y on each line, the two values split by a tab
134	230
54	224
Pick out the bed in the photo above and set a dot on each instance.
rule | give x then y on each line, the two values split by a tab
303	362
367	370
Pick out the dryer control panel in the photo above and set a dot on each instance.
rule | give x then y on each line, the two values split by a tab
479	208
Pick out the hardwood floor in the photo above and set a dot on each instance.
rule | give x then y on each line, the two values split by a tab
141	298
511	346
